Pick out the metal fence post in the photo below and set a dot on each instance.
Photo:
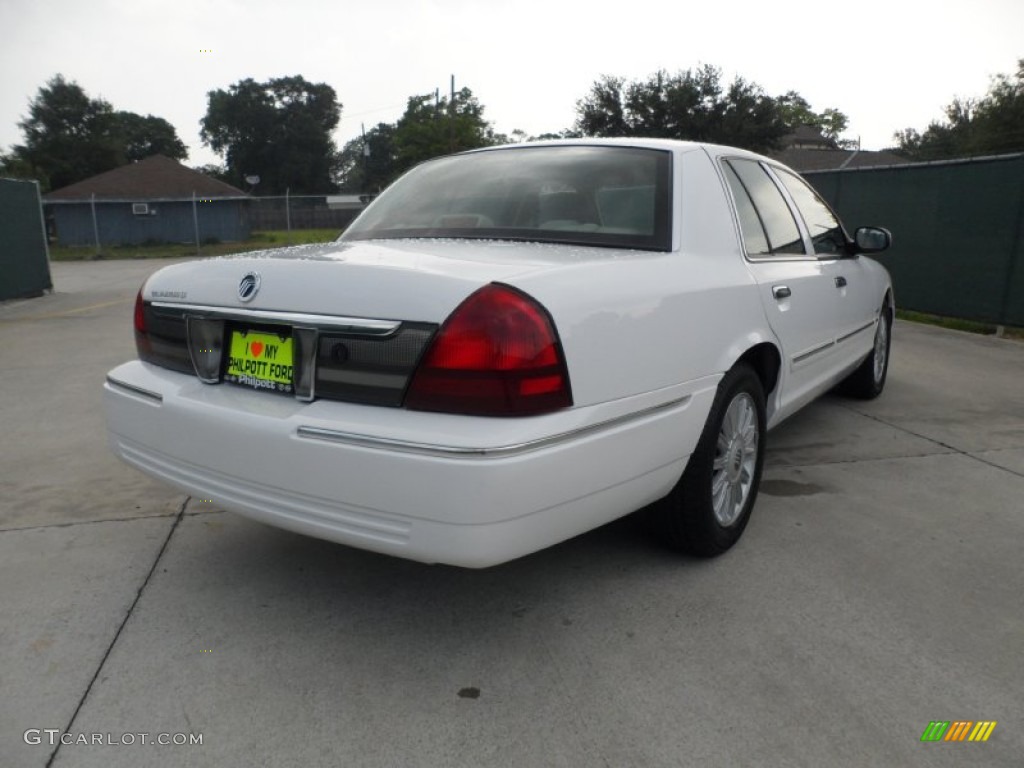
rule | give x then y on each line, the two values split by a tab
288	213
195	220
95	225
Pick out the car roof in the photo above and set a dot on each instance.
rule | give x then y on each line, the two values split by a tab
672	145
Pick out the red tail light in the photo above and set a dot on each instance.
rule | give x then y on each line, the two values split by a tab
142	343
140	314
497	355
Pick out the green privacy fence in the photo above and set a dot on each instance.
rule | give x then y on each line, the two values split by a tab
24	260
958	232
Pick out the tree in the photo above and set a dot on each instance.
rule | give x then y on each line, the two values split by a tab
143	137
70	136
280	130
1000	115
368	162
213	171
433	126
695	104
690	104
941	140
602	112
796	111
993	124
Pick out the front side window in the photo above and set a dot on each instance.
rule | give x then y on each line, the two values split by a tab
774	215
605	196
826	232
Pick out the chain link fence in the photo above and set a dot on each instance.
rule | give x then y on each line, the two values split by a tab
101	223
303	212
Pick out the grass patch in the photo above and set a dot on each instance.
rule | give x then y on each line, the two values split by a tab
275	238
257	241
958	324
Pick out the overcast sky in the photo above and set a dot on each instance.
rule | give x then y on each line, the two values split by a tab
888	64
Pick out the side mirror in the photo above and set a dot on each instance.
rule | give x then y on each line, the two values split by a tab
872	239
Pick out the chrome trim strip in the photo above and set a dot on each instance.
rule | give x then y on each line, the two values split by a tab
146	393
853	333
497	452
813	351
358	325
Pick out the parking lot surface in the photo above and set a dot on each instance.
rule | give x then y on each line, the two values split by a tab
878	588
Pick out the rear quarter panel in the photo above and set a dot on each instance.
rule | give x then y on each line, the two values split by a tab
649	321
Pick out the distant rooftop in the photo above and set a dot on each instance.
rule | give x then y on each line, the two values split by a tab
834	159
807	150
155	178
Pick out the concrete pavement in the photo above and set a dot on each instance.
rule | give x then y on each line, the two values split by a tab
877	588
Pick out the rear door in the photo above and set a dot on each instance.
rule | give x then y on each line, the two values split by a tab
798	290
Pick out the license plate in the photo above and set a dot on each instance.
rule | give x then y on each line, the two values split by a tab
260	360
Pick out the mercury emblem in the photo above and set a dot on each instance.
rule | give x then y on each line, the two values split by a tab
249	286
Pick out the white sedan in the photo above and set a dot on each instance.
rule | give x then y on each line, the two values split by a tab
509	347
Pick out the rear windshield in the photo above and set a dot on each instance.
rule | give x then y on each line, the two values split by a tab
606	196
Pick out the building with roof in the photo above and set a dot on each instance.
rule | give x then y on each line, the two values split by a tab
153	200
807	150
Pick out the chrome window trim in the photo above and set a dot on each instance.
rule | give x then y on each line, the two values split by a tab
496	452
733	209
355	325
134	390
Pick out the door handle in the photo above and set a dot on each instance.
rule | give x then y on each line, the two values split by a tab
840	282
781	291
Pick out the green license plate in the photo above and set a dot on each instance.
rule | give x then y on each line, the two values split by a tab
260	360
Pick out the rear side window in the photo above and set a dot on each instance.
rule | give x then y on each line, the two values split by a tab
751	184
827	234
754	239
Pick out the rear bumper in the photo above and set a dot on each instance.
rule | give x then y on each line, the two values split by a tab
431	487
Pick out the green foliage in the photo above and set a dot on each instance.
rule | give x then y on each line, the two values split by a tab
214	172
991	125
566	134
70	137
368	162
430	127
279	130
959	324
144	137
434	126
696	105
797	112
690	104
157	250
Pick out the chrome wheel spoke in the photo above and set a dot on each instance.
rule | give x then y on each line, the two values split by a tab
881	348
735	496
735	459
749	438
718	483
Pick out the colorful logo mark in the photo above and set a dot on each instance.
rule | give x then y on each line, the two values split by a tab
958	730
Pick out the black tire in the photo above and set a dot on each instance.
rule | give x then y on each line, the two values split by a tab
868	380
686	519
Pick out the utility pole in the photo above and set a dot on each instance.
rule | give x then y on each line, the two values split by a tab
451	119
366	155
